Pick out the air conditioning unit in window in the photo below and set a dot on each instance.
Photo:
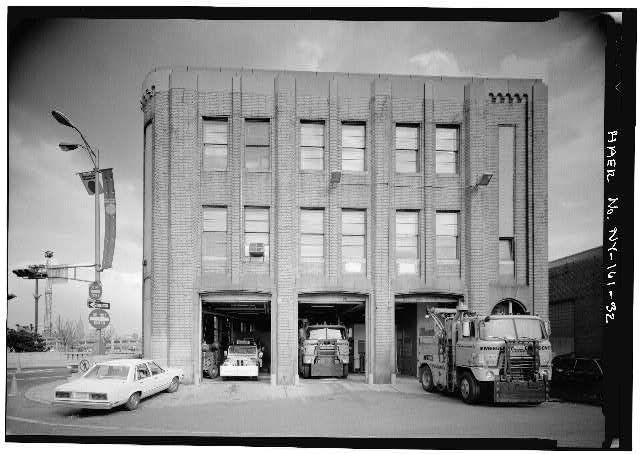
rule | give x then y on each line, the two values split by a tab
256	249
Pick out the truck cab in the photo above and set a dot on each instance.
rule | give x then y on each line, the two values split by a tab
505	358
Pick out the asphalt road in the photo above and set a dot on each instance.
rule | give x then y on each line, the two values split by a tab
353	414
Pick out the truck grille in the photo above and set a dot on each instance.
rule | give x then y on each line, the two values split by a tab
327	350
522	361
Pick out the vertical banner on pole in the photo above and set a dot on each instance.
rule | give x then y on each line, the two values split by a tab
109	218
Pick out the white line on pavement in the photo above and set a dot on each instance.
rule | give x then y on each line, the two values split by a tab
42	378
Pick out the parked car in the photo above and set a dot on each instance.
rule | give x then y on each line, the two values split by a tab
579	378
118	382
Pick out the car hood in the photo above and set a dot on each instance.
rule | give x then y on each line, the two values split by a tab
91	385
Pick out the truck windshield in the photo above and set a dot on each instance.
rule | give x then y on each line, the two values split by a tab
326	333
242	350
512	328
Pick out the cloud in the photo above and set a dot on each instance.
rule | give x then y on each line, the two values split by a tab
310	53
436	62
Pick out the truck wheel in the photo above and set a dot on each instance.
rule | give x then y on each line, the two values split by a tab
427	379
213	371
345	370
306	370
469	388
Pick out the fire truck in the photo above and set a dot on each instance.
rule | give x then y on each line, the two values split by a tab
500	358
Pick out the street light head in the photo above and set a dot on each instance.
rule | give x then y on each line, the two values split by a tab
484	179
62	119
64	146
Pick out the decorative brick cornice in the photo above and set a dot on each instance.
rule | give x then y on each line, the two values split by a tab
507	97
146	96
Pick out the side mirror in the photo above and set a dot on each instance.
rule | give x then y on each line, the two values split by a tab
427	316
466	329
225	353
547	327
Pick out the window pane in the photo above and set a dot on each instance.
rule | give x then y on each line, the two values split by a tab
214	246
506	249
214	219
312	158
214	157
406	161
406	223
256	158
446	139
446	162
407	267
312	135
353	223
352	136
446	223
407	137
311	221
214	132
311	246
256	238
257	132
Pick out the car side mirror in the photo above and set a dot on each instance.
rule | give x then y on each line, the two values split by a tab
547	327
466	329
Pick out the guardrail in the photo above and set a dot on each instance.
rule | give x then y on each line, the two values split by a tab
60	359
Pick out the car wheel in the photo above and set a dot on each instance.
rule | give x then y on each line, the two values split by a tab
469	389
426	379
133	401
175	384
306	370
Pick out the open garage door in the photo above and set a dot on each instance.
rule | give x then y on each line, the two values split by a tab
337	313
231	326
410	324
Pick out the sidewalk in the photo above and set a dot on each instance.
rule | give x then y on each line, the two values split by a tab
213	391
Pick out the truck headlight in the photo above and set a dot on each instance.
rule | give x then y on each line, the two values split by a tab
490	375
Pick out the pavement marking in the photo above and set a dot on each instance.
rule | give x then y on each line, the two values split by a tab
42	378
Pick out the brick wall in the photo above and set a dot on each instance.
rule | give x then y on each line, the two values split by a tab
177	100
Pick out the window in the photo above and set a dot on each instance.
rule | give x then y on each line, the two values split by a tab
311	146
311	236
407	257
407	149
155	369
353	241
506	256
214	140
257	144
447	247
353	147
214	237
447	149
506	152
142	372
256	232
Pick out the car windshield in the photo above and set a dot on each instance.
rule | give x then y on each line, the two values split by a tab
326	333
512	328
103	371
242	350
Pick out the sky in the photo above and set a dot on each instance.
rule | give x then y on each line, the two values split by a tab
92	70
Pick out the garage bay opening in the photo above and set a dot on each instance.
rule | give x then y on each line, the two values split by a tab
332	337
236	340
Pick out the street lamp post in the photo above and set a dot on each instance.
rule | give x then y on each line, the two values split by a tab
95	159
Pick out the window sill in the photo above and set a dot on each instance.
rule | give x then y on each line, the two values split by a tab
448	262
257	170
215	170
312	172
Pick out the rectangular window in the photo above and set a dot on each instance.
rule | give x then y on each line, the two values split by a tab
506	266
215	144
407	240
256	233
353	241
311	146
506	152
447	149
353	140
257	145
407	149
311	236
447	242
214	237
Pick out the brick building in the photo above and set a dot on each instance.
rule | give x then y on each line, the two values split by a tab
575	303
272	197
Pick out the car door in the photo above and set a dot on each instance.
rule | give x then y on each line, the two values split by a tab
144	379
562	375
161	379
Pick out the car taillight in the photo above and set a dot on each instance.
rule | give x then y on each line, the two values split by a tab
63	394
97	396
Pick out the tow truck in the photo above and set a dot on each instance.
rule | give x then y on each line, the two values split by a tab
501	358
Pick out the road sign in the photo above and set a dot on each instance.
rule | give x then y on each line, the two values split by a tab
92	304
95	291
99	318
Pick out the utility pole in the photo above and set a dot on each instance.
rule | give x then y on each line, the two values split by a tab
36	297
48	298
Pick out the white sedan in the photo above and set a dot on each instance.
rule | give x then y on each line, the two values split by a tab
117	382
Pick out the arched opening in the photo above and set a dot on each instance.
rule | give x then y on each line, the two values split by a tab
509	306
